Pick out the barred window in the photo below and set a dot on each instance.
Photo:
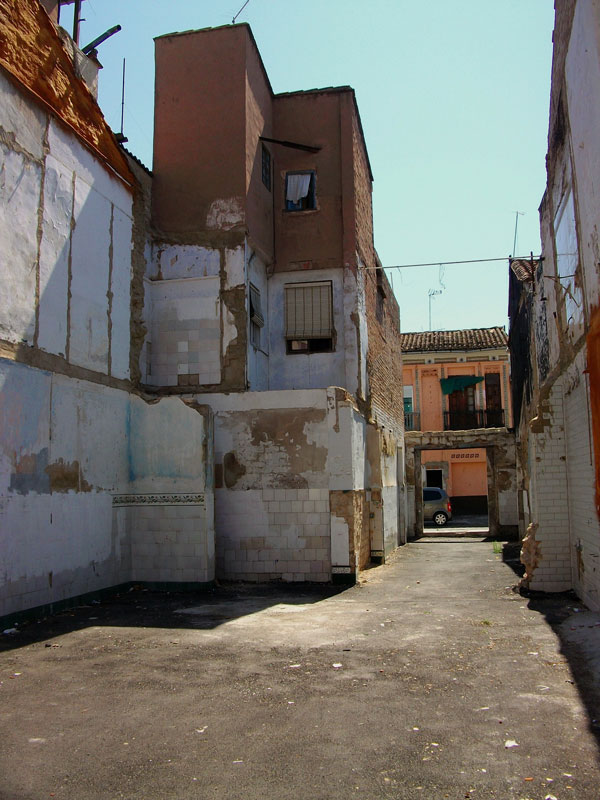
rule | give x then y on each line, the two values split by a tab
309	317
257	319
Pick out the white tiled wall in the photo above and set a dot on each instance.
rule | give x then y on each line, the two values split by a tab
273	534
169	543
584	526
549	495
185	334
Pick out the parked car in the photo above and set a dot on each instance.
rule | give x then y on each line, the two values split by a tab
436	505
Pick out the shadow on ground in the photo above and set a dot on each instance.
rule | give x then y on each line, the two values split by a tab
144	608
578	631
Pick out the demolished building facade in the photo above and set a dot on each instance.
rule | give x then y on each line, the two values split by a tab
201	371
555	330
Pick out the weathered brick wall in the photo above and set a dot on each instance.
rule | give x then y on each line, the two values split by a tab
363	205
384	363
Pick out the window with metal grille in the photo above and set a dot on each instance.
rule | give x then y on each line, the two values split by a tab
257	319
309	318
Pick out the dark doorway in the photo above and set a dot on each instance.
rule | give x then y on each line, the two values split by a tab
493	400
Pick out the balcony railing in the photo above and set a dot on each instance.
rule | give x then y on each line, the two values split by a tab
412	421
466	420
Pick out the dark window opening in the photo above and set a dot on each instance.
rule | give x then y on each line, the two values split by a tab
434	477
266	167
380	303
309	346
300	191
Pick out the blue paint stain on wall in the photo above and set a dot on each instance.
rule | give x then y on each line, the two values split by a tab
165	440
24	408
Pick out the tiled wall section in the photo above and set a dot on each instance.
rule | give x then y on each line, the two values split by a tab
185	338
549	473
273	534
169	543
583	521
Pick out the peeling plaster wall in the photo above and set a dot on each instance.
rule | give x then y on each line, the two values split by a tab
65	224
280	458
258	355
97	488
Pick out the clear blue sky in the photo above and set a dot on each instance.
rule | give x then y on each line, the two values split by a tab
453	98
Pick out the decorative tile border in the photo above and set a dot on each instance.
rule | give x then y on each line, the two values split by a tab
158	499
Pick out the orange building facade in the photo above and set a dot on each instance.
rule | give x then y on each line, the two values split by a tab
457	380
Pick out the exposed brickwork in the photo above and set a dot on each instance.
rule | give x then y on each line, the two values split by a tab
32	52
384	364
363	213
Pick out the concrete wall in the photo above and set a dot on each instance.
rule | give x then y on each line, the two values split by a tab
98	488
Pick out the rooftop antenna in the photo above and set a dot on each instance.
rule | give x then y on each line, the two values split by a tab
76	20
517	215
120	137
239	12
432	293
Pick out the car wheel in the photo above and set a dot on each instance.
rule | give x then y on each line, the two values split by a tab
440	518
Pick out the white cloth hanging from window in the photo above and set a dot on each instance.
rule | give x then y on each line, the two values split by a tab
297	187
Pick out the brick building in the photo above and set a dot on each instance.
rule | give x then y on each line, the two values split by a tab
555	330
459	381
200	365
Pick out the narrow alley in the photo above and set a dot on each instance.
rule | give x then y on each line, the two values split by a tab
431	678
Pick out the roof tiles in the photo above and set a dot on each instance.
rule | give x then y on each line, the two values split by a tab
467	339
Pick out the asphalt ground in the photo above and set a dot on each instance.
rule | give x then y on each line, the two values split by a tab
432	678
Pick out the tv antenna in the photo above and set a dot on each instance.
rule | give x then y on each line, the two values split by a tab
120	137
432	293
239	12
517	215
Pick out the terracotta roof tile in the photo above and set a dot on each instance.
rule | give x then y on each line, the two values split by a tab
468	339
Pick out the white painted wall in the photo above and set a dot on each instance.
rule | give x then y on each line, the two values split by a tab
65	227
98	487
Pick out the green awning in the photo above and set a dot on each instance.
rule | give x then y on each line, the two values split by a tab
456	383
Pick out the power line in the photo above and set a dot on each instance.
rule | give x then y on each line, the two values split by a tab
449	263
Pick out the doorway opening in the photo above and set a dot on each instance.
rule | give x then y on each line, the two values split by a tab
462	474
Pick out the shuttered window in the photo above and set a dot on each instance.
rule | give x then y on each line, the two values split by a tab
308	311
